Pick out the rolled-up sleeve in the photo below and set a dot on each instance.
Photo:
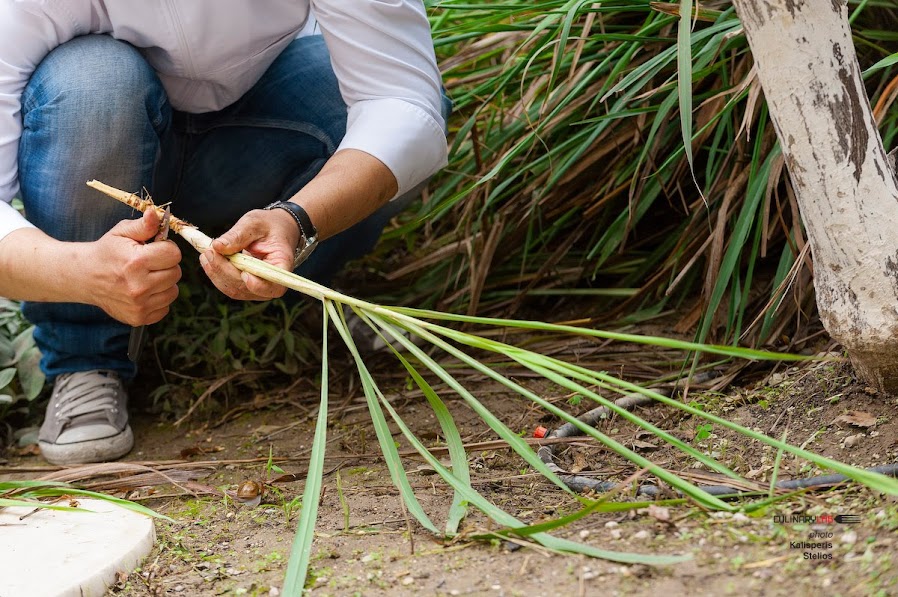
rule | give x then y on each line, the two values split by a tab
29	30
383	56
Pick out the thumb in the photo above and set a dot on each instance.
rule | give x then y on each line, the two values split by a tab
234	240
142	229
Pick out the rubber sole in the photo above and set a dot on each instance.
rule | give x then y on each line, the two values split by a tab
96	450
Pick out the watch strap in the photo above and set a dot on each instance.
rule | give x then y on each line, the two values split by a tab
306	228
308	232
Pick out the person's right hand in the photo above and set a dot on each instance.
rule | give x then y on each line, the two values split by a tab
135	282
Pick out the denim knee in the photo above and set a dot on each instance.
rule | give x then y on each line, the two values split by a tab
99	80
93	108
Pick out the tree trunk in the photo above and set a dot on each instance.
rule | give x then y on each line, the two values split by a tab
845	185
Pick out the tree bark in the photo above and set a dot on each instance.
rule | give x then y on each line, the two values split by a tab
845	185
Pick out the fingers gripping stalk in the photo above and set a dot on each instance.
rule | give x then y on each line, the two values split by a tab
135	342
203	243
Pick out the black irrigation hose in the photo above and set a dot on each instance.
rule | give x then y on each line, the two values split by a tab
581	484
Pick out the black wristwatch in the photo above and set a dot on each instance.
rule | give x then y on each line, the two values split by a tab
308	234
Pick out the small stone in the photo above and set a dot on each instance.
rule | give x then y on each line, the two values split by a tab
408	580
496	587
610	524
764	573
584	533
454	592
615	533
848	538
274	592
642	535
853	440
367	558
826	583
740	517
178	588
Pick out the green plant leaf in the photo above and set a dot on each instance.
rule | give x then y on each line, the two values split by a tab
30	375
457	453
384	437
6	377
300	553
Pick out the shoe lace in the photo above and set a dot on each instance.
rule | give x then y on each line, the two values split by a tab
86	392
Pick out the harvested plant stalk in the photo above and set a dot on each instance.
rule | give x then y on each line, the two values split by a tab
395	324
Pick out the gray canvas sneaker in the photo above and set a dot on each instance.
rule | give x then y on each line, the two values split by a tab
86	420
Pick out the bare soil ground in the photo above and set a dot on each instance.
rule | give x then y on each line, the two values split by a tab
366	544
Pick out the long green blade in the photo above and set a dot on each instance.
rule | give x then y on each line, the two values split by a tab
457	453
300	553
502	517
384	437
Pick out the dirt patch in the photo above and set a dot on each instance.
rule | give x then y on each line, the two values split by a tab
366	544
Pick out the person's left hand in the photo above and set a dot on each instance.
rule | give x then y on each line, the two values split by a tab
271	236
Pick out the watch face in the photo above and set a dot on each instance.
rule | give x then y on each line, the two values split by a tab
302	252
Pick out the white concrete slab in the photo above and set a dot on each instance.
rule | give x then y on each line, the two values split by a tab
53	553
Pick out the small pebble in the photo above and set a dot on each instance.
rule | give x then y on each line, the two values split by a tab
584	533
496	587
367	558
642	535
615	533
848	538
178	588
827	582
610	524
853	440
274	592
408	580
740	517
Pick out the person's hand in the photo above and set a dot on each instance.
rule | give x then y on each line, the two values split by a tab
134	282
271	236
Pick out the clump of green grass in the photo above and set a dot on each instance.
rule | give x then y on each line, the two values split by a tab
568	153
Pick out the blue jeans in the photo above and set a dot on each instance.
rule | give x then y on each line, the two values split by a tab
94	109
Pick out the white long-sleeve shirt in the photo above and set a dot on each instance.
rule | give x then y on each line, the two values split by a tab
208	53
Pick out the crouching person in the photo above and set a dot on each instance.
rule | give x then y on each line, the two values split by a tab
253	125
